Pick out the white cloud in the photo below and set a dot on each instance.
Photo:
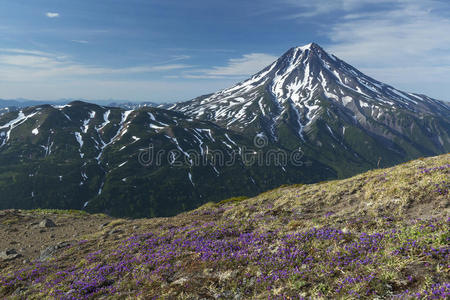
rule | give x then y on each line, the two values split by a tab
52	15
395	36
307	8
80	41
211	50
407	45
401	42
23	51
246	65
51	76
169	67
21	65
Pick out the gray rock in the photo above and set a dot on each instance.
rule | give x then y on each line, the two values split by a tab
115	231
47	223
69	292
49	252
103	226
19	291
9	254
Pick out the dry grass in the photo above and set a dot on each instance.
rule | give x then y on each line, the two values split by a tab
401	191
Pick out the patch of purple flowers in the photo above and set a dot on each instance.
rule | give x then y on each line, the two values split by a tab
332	262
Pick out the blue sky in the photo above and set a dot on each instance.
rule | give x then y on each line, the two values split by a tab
175	50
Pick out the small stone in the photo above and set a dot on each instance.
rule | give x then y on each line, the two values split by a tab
115	231
52	250
19	291
207	271
9	254
47	223
103	226
224	276
180	281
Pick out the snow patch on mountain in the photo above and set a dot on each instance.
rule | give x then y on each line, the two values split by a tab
190	178
20	119
86	122
118	134
79	139
106	120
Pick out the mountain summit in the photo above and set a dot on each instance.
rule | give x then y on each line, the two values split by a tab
313	99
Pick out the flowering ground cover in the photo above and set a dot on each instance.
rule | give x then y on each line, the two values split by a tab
380	235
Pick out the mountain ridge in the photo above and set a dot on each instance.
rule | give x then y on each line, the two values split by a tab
85	156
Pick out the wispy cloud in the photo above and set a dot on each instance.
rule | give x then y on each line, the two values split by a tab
397	36
52	15
169	67
80	41
406	45
401	42
22	65
246	65
24	51
306	8
207	50
175	58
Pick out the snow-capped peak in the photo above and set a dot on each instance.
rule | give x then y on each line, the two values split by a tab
306	47
299	81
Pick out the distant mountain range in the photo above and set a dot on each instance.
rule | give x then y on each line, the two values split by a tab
15	104
307	117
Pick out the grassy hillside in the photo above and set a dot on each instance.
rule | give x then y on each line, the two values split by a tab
379	235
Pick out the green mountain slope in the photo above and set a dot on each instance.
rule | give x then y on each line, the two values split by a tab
143	162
